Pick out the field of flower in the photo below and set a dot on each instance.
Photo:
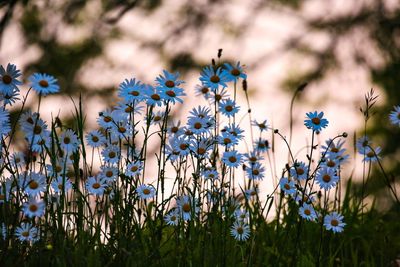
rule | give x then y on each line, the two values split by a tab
78	198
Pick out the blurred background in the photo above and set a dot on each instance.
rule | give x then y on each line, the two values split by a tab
341	48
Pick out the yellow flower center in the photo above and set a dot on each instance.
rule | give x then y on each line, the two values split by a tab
134	168
33	185
370	154
205	90
232	159
25	233
235	72
134	93
240	230
186	207
174	129
170	93
128	109
183	146
169	83
331	164
316	121
326	178
197	125
334	222
155	97
146	191
33	208
67	140
96	185
307	212
334	150
43	83
286	186
7	79
299	171
215	79
37	129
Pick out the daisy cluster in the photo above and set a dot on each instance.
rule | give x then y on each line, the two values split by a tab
300	178
57	169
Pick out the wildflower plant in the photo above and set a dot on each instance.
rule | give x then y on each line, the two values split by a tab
92	187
